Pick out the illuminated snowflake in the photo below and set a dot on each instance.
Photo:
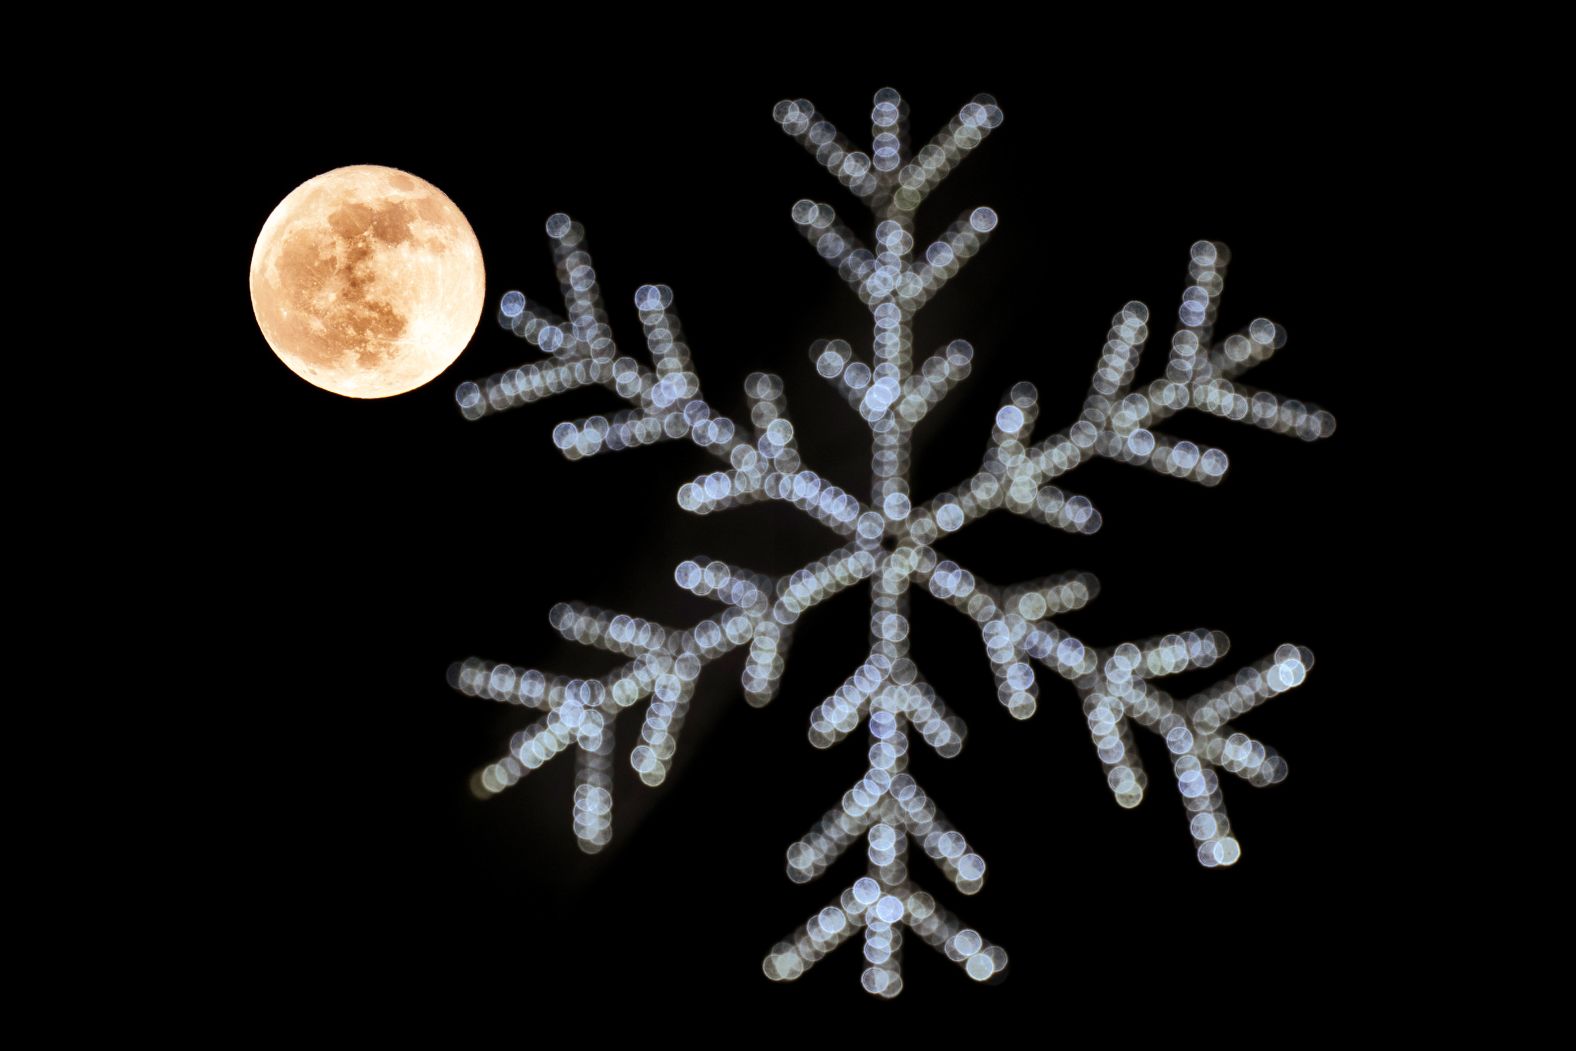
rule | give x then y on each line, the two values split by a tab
888	540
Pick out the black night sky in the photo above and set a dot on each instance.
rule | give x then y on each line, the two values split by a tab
373	543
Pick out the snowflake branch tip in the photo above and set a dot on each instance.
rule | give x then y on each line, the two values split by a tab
523	385
851	167
722	490
763	669
593	798
1285	670
842	712
881	911
936	378
1197	733
721	582
837	829
883	177
610	631
942	154
835	243
653	756
945	257
1050	596
542	741
1243	404
505	683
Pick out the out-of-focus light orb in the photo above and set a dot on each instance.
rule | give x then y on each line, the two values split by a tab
367	281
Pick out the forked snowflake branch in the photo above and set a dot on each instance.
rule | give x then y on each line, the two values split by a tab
890	540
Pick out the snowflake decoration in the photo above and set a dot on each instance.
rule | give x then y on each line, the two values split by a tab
888	540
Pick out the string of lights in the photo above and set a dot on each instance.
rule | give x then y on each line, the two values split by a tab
890	538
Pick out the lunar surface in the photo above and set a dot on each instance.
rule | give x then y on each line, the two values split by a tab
367	281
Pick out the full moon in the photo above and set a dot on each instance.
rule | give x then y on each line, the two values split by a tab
367	281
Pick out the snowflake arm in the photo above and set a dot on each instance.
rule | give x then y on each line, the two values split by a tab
1116	688
666	663
1118	424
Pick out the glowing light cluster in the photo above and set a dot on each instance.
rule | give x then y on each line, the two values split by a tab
889	539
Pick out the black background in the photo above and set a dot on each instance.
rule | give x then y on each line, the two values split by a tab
372	543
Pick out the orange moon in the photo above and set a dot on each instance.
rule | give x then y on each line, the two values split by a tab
367	281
